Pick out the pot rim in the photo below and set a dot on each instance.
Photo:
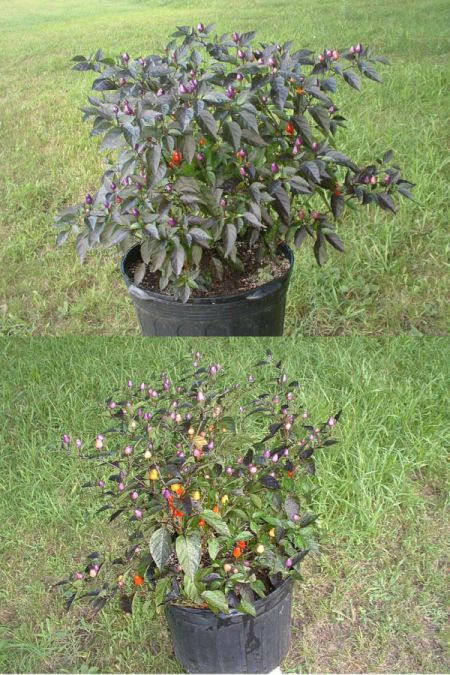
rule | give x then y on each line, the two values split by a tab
285	585
214	299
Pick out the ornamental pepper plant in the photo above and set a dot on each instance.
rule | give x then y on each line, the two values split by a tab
222	144
210	485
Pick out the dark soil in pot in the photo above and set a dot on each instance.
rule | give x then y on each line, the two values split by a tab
233	643
258	311
258	270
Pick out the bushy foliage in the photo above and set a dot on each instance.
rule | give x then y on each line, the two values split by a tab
221	140
211	483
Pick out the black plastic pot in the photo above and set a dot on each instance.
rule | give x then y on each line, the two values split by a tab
233	643
259	311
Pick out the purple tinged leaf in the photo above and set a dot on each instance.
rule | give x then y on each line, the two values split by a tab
333	239
340	158
310	466
178	259
82	247
200	236
233	132
337	207
248	457
300	236
208	122
319	249
291	507
387	157
62	238
352	79
139	273
305	454
103	84
188	148
369	71
321	116
252	219
229	239
311	169
386	202
299	557
126	603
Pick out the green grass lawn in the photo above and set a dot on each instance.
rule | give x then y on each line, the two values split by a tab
391	280
374	597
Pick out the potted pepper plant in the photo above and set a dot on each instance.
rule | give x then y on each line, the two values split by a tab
220	153
211	487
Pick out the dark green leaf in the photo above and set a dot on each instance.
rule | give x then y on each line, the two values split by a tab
246	607
215	521
160	546
213	548
189	551
216	600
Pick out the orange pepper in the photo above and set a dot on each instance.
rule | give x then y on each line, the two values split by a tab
242	544
201	523
139	581
237	552
216	509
